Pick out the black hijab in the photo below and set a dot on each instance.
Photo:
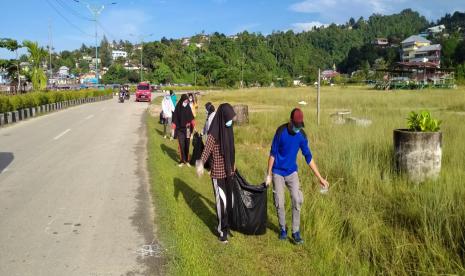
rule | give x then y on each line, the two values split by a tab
224	136
210	108
182	115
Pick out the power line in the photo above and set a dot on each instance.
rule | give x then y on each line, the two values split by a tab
72	11
66	19
106	31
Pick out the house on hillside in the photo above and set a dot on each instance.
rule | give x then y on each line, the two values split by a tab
327	75
419	49
186	42
436	29
4	77
115	54
63	71
381	42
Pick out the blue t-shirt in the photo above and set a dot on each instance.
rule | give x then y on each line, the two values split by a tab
284	149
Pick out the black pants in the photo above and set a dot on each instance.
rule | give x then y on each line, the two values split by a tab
224	202
184	144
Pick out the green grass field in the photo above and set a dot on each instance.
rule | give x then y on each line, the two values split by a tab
371	222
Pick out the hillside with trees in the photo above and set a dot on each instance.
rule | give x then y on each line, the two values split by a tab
278	58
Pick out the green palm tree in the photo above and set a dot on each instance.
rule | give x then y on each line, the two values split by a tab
36	58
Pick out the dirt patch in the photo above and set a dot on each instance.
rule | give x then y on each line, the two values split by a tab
143	218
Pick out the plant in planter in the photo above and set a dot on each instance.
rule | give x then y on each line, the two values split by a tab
418	149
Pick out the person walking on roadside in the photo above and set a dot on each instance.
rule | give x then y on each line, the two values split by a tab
173	97
167	111
282	171
220	146
183	124
210	110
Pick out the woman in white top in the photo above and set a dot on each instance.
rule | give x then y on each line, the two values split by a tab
167	109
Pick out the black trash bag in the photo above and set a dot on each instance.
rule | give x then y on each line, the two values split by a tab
249	211
198	146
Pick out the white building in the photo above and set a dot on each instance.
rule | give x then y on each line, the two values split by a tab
63	71
118	54
436	29
4	77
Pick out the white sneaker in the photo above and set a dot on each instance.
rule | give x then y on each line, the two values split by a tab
181	165
188	165
164	136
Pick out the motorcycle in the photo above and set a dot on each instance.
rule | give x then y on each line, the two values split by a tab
121	98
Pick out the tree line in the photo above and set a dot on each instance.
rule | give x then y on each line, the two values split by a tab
253	59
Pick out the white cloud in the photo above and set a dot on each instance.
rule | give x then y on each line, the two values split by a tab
307	26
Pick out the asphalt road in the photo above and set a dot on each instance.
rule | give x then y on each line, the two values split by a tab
74	193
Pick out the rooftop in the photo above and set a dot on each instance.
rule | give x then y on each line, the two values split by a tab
415	38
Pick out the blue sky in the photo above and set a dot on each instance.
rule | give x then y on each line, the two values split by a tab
178	18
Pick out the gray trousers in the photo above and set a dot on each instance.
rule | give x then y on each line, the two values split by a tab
293	184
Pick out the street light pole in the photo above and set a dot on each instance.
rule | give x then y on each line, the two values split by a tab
195	70
141	54
141	38
96	10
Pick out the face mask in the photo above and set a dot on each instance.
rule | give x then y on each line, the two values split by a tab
184	104
295	129
229	123
190	99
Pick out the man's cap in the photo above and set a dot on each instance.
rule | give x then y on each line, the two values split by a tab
297	117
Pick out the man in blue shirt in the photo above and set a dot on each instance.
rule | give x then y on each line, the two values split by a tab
282	170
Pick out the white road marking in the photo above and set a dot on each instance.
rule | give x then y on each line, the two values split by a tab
61	134
89	117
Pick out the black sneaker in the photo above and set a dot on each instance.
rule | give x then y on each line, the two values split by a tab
224	237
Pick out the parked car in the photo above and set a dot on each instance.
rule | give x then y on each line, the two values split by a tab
143	92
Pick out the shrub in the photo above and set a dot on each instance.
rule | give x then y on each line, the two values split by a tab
422	121
15	102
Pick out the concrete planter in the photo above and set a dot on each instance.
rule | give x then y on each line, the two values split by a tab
418	154
21	115
9	117
32	111
26	113
2	119
15	117
47	108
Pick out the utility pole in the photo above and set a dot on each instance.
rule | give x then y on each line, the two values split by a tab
318	98
96	11
242	70
50	49
141	38
195	70
19	71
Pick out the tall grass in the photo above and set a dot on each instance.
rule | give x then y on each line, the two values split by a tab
371	222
